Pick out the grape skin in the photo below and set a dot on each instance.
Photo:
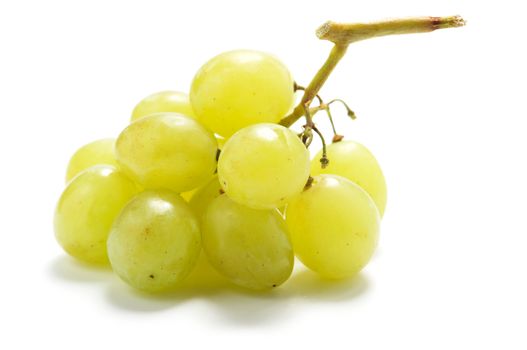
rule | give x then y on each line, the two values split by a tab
155	242
87	208
167	151
263	166
334	226
161	102
187	196
355	162
94	153
239	88
250	247
203	196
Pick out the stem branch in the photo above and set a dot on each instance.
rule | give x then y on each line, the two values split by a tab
343	34
347	33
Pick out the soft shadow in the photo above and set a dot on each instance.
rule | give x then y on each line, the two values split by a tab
233	305
68	269
203	283
246	308
308	285
123	297
251	309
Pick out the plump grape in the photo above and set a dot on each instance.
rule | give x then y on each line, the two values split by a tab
250	247
263	166
334	226
94	153
155	241
239	88
87	209
167	151
202	197
355	162
161	102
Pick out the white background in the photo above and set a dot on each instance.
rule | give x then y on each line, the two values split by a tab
443	112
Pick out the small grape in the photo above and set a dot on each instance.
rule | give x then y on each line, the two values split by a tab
263	166
162	102
87	208
355	162
155	241
238	88
167	151
95	153
334	226
250	247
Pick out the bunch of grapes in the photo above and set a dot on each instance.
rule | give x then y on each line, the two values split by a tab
215	171
219	171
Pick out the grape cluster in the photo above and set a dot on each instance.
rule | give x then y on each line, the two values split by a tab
215	171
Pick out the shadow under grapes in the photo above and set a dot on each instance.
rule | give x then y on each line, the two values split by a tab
228	303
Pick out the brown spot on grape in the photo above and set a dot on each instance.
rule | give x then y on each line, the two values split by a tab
152	276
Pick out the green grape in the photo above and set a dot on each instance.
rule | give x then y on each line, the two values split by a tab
263	166
155	241
238	88
248	246
202	197
94	153
334	226
87	209
167	151
355	162
161	102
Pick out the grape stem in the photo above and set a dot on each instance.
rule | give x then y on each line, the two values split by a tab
343	34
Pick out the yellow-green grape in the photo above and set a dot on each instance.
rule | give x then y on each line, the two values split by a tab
87	209
202	198
94	153
161	102
167	151
263	166
334	226
250	247
353	161
238	88
155	241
